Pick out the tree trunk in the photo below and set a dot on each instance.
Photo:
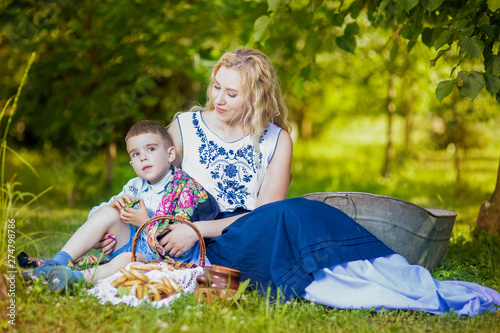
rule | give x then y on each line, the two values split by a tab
489	213
110	161
391	109
457	142
408	98
307	128
71	195
306	125
407	111
408	131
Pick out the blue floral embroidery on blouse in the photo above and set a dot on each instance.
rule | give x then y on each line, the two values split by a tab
232	170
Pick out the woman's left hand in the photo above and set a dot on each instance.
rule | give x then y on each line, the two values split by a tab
180	239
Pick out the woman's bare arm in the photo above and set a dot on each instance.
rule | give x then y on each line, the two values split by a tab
175	133
277	178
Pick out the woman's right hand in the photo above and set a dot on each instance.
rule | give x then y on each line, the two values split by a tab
106	244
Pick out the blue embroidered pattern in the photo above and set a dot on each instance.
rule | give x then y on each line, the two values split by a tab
134	190
232	170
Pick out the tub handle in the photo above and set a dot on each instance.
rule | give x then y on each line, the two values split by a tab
339	206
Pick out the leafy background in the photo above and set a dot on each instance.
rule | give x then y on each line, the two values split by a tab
392	97
102	65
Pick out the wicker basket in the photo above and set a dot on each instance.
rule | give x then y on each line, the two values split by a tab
217	284
170	218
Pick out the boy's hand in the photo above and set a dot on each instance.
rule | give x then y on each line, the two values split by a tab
122	201
134	216
106	244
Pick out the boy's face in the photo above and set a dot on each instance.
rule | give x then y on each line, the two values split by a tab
150	157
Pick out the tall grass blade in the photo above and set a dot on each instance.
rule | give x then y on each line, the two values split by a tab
31	242
32	200
31	234
13	110
22	160
5	106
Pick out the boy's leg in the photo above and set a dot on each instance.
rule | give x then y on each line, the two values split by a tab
104	220
100	272
60	277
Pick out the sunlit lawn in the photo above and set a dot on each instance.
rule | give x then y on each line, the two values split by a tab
348	157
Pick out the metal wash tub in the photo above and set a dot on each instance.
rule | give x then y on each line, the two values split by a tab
421	235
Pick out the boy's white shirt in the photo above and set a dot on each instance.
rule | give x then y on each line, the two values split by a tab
141	189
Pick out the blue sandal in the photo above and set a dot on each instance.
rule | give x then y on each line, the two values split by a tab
39	271
44	268
60	278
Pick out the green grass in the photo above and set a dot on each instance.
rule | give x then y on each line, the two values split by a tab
254	314
347	158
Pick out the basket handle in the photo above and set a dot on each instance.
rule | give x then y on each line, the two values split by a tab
170	218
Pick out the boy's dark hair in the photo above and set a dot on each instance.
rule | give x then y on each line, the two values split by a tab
149	126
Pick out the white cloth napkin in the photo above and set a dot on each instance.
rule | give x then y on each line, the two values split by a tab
186	278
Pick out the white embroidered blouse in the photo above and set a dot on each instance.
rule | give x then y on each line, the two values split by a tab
225	169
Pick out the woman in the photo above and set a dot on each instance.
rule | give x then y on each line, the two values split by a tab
239	149
219	145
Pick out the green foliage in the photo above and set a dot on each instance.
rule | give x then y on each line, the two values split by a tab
445	88
476	260
103	66
11	200
12	206
472	27
432	5
260	28
472	83
407	4
472	46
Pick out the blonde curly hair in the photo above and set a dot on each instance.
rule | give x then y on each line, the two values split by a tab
262	99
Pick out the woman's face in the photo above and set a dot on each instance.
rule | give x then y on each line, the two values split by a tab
227	95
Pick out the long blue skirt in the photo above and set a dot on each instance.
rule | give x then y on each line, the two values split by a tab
312	250
281	245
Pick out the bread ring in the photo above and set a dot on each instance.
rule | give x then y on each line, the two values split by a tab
139	275
118	281
167	285
133	290
131	283
126	273
175	285
145	267
164	292
139	293
157	283
156	293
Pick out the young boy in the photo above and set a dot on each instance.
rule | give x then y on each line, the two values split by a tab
151	154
